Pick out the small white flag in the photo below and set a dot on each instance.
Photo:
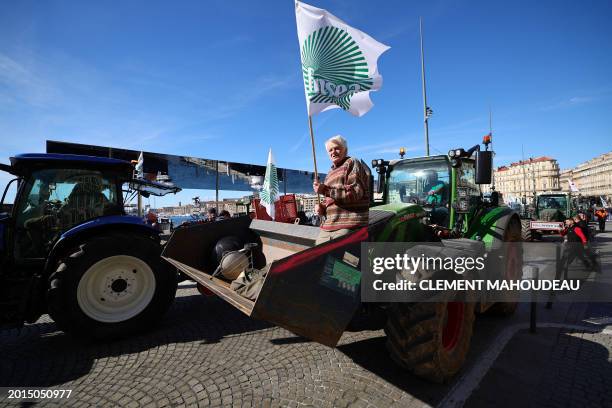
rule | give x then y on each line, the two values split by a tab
269	193
573	187
339	62
140	167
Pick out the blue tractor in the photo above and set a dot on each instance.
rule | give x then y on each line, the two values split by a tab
68	249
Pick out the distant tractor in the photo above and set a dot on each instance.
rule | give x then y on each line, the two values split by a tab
314	290
550	210
68	249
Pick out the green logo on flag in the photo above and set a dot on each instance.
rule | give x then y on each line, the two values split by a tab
333	67
269	191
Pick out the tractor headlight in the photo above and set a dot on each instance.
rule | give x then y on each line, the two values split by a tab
458	152
451	153
377	162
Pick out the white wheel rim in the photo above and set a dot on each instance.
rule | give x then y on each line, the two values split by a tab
116	288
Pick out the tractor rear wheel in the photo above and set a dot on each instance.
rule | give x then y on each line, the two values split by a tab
513	267
430	339
111	286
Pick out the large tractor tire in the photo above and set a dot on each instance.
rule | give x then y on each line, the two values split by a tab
526	233
513	267
430	339
111	286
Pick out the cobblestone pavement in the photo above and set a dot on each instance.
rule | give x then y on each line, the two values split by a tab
208	354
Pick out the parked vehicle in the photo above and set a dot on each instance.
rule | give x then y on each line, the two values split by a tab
304	293
68	249
550	210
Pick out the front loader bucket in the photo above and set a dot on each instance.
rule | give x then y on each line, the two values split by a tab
310	290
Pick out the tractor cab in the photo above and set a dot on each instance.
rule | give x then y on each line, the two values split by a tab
423	181
57	192
553	207
443	186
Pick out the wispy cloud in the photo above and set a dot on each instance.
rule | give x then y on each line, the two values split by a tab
249	94
316	126
24	84
68	99
570	102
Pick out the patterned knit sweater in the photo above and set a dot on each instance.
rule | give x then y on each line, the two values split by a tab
348	198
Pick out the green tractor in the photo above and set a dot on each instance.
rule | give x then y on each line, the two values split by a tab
550	211
316	292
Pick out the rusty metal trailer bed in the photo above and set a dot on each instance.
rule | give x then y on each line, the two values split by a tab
310	290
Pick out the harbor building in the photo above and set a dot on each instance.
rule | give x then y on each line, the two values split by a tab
593	177
523	178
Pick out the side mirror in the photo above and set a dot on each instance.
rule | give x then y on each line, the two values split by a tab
380	186
495	199
381	168
484	166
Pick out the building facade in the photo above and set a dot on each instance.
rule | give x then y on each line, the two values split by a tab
594	177
565	176
523	178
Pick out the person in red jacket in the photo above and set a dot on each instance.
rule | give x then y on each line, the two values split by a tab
574	242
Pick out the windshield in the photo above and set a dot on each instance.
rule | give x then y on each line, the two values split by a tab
554	203
55	200
421	182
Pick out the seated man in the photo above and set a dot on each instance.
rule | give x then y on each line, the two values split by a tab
434	189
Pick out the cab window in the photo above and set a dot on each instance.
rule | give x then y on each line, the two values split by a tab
466	178
425	183
54	200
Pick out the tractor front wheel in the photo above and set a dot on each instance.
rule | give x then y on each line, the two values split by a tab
111	286
430	339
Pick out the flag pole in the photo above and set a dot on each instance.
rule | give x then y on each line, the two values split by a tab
491	135
314	155
425	108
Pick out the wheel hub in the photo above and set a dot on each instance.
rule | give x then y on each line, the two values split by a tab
119	285
116	288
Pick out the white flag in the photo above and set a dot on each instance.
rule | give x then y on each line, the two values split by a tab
140	167
573	187
338	62
269	193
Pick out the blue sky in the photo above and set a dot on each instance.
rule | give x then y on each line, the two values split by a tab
221	80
